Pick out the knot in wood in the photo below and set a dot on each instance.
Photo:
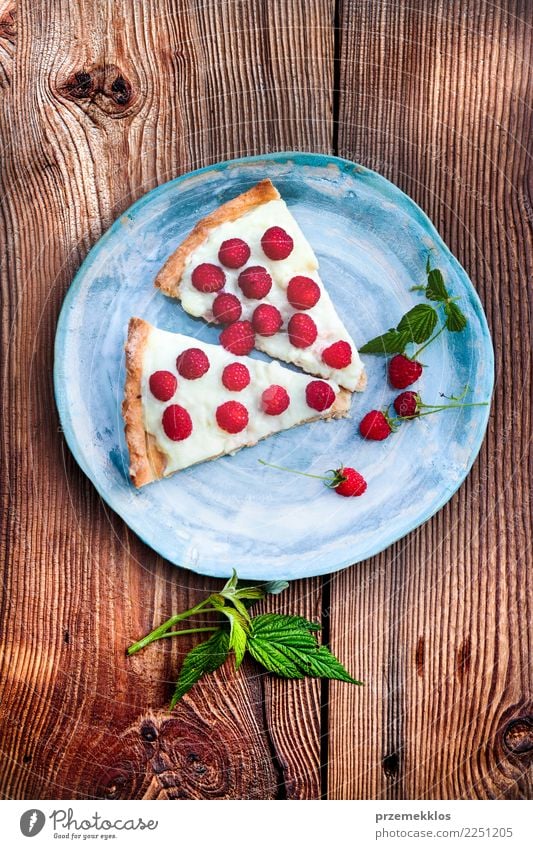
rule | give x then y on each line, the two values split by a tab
104	86
518	735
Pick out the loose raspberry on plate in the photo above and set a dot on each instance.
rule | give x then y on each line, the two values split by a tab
238	338
235	377
192	363
276	243
232	416
319	395
403	371
338	355
163	384
303	293
375	425
255	282
177	423
234	253
227	308
208	277
275	400
302	330
407	404
351	482
266	320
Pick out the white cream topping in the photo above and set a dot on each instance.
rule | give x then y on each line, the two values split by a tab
201	398
302	261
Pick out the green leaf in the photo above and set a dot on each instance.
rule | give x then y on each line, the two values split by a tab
252	593
455	318
237	616
435	289
231	585
276	587
391	342
419	323
201	660
286	645
428	264
237	641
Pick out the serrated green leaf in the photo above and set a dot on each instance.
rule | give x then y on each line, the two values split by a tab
251	593
280	623
231	585
435	289
455	318
201	660
217	600
286	645
237	641
275	587
391	342
236	616
419	323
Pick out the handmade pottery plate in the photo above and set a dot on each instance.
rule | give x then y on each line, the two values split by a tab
372	242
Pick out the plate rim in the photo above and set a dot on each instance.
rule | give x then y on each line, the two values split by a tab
300	158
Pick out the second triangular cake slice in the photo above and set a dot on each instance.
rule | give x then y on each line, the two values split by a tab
187	401
249	266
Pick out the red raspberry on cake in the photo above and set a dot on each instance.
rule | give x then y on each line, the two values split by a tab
275	400
276	243
177	423
235	377
234	253
338	355
163	384
232	416
227	308
208	278
238	338
266	320
303	293
319	395
302	330
255	282
192	363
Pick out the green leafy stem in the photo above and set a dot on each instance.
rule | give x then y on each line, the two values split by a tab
285	645
418	324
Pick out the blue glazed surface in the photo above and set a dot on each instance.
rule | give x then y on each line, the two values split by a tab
372	242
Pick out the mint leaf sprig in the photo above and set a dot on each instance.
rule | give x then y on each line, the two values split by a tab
284	645
418	324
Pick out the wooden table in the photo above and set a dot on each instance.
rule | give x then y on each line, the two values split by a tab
101	101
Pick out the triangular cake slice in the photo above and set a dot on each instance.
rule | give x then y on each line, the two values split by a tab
249	265
187	401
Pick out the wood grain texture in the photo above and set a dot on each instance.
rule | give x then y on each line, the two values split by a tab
436	96
100	102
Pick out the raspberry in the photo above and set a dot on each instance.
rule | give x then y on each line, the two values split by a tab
276	243
319	395
227	308
403	372
338	355
406	404
238	338
208	278
232	416
375	425
234	253
192	363
235	377
177	423
302	330
163	384
303	293
255	282
275	400
266	320
352	483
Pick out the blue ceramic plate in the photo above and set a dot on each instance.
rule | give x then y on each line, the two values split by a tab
372	242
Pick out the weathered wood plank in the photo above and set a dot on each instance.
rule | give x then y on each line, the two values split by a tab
100	102
437	97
